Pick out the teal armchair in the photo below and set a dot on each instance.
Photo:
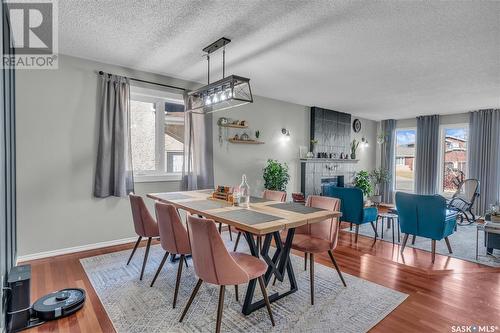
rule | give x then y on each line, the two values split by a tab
352	206
426	216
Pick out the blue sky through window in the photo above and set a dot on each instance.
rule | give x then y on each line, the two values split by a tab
460	133
404	137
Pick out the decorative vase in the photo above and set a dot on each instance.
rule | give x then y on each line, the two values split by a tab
353	156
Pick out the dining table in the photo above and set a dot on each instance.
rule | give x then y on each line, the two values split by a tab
264	218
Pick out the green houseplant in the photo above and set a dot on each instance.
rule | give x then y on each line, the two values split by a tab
362	181
379	177
276	175
354	147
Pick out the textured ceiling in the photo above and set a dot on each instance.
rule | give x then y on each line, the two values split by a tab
376	59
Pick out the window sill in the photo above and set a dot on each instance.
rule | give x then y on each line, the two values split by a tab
157	178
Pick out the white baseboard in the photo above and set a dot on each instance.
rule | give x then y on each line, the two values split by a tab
74	249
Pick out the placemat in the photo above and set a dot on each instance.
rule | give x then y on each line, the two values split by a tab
208	190
173	196
296	208
205	204
258	200
246	216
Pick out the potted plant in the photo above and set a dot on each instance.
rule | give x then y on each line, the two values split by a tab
276	175
362	181
354	147
379	177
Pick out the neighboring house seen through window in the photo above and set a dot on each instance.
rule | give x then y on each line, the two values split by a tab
405	159
157	134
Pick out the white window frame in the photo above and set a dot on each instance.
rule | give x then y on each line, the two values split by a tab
158	98
394	159
442	129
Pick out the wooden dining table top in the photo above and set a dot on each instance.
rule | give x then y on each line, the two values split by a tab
262	217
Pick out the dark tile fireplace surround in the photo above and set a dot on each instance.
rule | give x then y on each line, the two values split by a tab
332	130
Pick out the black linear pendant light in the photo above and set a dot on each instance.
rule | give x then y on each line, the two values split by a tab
229	92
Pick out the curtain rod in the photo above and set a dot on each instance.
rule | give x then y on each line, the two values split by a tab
150	82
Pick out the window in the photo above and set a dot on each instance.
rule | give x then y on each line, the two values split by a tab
405	160
453	157
157	134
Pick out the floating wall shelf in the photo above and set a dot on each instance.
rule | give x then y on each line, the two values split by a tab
234	126
248	142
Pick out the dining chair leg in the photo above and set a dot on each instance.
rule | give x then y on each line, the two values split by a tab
220	228
191	298
413	240
237	241
357	233
374	229
266	298
399	234
405	239
220	309
236	292
145	257
392	227
186	262
350	226
311	276
336	267
433	250
178	280
135	248
382	230
448	244
165	257
230	233
305	261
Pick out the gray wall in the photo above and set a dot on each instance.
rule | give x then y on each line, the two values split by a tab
56	149
269	116
56	134
448	119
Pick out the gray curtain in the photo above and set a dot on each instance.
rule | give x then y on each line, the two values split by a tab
426	155
113	174
198	168
484	156
388	129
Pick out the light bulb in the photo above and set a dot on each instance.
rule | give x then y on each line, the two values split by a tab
222	96
208	101
215	99
229	95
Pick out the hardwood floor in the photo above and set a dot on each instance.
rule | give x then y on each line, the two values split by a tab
449	292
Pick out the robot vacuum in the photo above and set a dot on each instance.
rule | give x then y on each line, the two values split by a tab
58	304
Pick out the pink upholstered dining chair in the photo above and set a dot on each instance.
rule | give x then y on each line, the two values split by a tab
173	238
215	265
144	224
268	195
318	237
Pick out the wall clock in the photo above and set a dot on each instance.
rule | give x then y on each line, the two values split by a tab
356	125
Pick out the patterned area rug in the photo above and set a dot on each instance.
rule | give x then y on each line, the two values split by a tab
133	306
463	243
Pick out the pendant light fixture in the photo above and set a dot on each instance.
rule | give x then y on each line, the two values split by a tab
229	92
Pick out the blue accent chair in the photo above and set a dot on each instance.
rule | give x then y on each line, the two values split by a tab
426	216
352	206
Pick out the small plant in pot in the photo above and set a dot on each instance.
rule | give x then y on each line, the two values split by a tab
379	177
354	147
276	175
362	181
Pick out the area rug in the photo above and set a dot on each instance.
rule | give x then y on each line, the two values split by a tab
133	306
463	243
